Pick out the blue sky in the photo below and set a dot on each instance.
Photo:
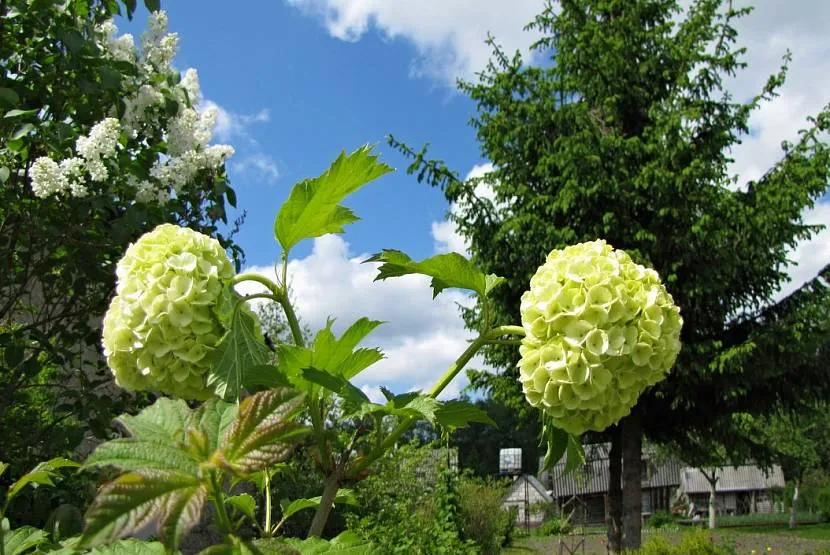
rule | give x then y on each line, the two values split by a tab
297	81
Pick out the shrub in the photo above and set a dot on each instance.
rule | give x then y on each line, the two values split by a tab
697	542
660	519
482	517
554	526
410	505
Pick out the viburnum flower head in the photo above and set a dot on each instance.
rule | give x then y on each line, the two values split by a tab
599	330
169	312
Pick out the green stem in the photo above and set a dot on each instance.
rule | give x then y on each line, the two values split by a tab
221	511
267	505
436	389
272	287
278	294
293	322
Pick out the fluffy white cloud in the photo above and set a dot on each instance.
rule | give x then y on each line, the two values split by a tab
262	164
447	238
774	27
810	256
231	125
421	336
448	35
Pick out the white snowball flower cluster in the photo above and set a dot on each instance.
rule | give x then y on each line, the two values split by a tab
165	319
599	330
187	134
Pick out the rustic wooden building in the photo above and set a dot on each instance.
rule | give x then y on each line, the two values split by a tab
660	480
739	490
527	494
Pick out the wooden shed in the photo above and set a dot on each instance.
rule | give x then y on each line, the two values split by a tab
527	494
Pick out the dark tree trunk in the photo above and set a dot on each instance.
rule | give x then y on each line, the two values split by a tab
615	510
632	448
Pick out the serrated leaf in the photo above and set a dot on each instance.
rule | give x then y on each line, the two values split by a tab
313	208
164	421
244	502
264	430
240	349
450	270
491	281
336	384
272	546
330	354
347	543
42	474
133	500
213	419
20	540
575	454
131	454
130	546
459	414
265	376
557	442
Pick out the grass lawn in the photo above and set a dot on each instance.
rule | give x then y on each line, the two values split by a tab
775	540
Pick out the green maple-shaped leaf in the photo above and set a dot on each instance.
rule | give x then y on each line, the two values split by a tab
446	270
239	350
338	357
458	414
43	474
313	208
21	540
130	502
164	421
264	431
134	454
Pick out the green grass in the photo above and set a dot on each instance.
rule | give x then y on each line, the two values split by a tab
807	531
761	539
726	521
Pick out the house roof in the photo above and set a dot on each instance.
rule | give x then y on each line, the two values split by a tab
592	478
730	478
533	482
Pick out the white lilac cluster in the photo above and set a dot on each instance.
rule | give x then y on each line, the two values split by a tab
187	134
599	330
52	178
166	317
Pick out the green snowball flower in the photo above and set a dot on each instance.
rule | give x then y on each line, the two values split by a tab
599	330
165	318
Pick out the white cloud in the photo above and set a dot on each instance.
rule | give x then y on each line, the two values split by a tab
448	35
810	256
261	163
445	235
774	27
231	125
421	336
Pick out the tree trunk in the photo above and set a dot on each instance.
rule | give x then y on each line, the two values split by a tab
321	516
614	517
795	501
713	493
632	502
